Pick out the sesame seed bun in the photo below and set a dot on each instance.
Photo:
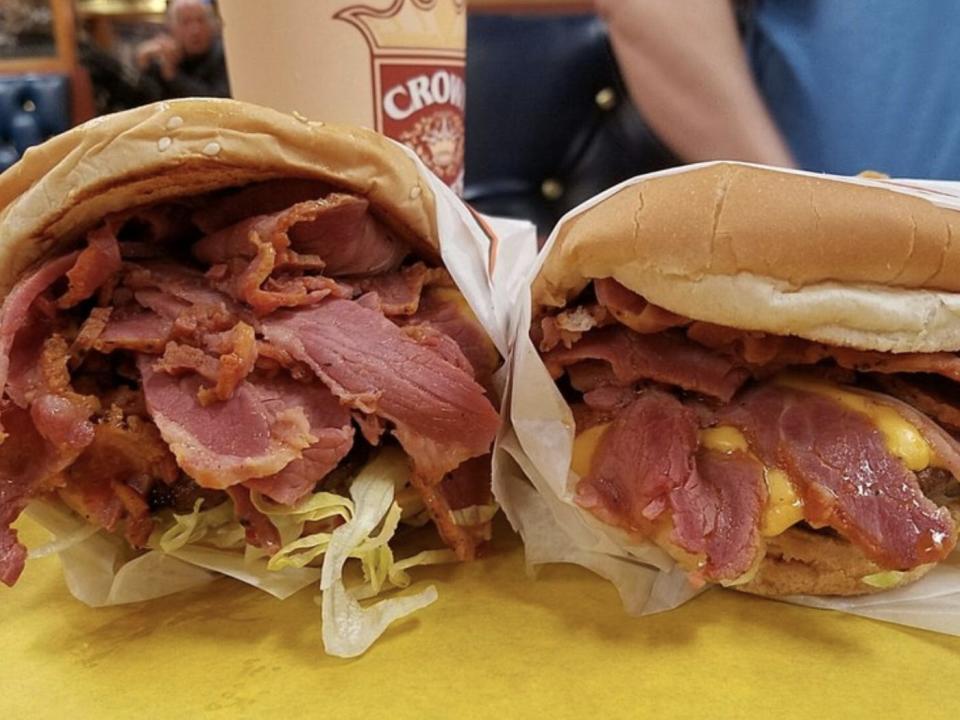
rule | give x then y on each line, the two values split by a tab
183	148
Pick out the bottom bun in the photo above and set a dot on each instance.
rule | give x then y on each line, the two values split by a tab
802	561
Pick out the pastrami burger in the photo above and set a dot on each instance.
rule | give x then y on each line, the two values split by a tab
763	376
218	320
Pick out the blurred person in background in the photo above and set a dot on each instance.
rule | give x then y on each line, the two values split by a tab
824	85
187	60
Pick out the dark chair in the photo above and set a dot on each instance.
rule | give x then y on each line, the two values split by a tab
32	108
549	123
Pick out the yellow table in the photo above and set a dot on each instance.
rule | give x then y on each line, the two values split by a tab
495	645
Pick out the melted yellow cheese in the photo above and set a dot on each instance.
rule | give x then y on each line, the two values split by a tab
901	438
725	439
784	508
584	447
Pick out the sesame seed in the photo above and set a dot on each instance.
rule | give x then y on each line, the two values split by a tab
164	143
174	122
415	192
300	116
211	149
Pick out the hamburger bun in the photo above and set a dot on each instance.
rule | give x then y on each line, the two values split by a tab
183	148
804	562
788	254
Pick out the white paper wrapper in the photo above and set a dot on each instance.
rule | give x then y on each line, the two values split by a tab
101	570
534	485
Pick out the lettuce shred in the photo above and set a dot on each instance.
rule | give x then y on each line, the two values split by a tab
329	528
349	629
217	527
380	568
474	514
62	543
884	580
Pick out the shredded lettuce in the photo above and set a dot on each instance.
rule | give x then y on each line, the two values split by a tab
300	552
102	570
395	571
375	555
234	563
884	580
887	579
359	527
474	514
319	506
349	629
217	527
63	542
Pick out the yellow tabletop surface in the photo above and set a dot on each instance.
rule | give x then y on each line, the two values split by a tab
495	645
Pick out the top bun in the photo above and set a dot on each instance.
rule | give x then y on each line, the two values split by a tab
770	251
183	148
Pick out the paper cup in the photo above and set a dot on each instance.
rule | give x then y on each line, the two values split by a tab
396	66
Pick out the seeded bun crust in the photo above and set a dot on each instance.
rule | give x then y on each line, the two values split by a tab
761	250
757	249
183	148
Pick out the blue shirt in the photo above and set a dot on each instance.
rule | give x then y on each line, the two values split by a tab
862	84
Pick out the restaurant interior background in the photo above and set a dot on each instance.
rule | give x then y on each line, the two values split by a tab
65	61
548	125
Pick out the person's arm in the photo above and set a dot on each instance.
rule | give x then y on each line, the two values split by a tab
686	70
157	60
208	80
150	85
